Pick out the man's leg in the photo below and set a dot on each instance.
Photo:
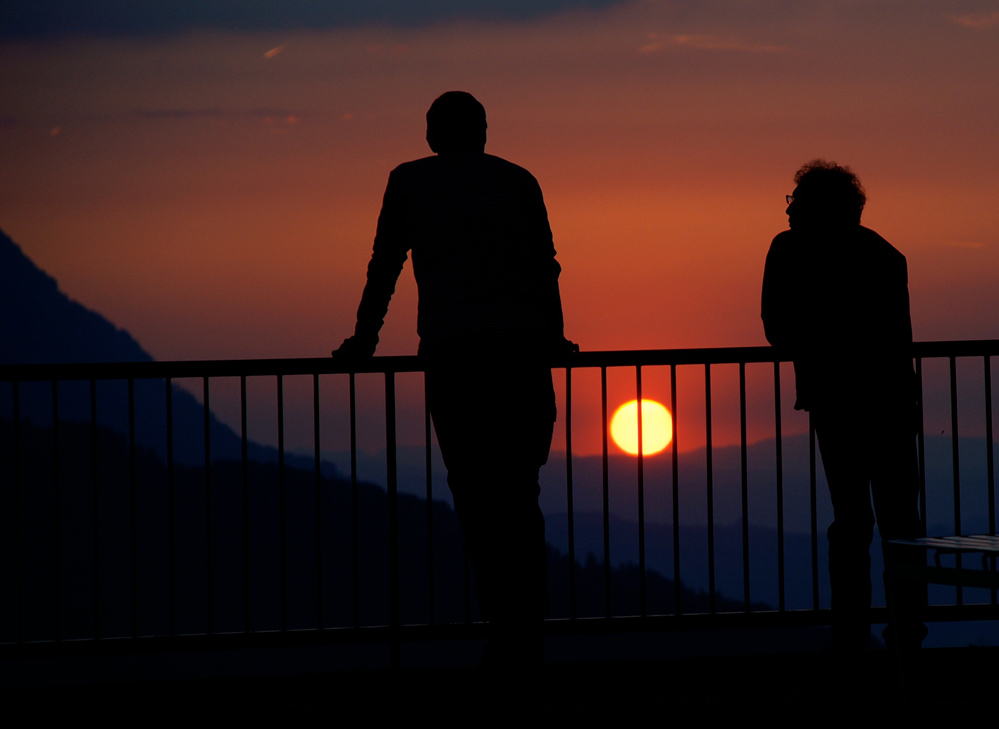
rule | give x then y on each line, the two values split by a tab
494	428
844	457
895	487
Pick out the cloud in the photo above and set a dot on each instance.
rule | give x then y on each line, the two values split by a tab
966	244
977	20
39	19
212	113
706	43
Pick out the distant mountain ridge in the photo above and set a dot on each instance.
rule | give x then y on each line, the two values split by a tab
93	509
40	324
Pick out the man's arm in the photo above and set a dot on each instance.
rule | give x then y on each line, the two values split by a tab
780	317
387	259
550	271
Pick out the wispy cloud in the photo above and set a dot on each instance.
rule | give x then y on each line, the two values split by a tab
966	244
30	19
977	20
657	44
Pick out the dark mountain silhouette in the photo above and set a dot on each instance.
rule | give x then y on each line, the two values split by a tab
101	537
90	549
39	324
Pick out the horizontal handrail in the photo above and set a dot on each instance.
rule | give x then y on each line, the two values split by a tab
411	363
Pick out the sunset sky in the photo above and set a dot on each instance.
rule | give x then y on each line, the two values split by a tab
209	178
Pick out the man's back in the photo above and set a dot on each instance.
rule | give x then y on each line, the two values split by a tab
482	248
838	304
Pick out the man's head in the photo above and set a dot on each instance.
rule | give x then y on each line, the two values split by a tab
826	195
456	122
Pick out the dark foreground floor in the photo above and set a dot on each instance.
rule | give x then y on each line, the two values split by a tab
948	683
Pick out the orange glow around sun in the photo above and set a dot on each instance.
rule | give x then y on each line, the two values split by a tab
657	427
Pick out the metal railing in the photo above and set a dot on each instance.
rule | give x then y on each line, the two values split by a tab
134	517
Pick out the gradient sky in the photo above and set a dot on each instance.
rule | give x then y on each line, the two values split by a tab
208	177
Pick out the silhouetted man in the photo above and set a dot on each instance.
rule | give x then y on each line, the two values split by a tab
489	320
836	301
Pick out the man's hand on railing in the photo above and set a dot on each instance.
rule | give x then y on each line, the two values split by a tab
565	348
355	348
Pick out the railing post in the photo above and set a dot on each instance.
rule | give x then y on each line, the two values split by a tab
318	503
393	503
427	429
956	457
643	607
779	465
208	509
96	505
245	460
605	491
813	513
745	485
676	492
568	492
708	449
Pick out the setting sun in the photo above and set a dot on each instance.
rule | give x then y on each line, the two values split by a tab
657	427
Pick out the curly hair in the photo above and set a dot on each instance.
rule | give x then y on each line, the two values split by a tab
836	185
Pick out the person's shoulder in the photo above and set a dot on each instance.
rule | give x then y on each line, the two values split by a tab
506	167
874	242
784	240
415	167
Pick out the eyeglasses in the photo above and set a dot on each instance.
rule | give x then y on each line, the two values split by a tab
789	198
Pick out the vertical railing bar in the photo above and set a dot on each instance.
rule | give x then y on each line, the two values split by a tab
710	486
643	607
57	487
921	443
428	432
393	515
745	486
95	496
990	466
283	508
779	457
676	492
921	457
245	459
353	500
605	491
568	492
133	488
208	506
813	513
467	576
19	516
171	508
989	453
318	500
955	455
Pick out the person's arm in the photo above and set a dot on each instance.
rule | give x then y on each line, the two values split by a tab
551	298
387	259
778	312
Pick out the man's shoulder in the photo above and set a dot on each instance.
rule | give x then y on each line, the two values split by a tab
784	241
415	167
506	165
479	163
877	245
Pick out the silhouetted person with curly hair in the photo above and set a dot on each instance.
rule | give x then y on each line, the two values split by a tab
490	323
836	302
